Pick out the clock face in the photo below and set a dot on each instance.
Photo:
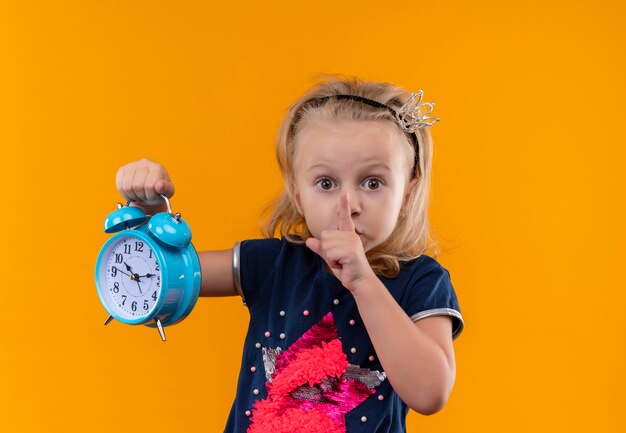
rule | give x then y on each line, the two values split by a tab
133	278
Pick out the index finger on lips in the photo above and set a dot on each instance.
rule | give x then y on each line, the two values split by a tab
345	216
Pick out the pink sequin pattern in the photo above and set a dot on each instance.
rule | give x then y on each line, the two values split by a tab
308	392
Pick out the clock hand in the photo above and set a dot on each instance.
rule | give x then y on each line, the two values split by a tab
133	276
140	292
119	270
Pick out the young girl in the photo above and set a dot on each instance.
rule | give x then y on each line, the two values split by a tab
351	324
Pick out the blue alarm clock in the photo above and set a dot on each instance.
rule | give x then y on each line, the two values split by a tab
147	274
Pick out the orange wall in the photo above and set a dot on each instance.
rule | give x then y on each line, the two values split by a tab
528	194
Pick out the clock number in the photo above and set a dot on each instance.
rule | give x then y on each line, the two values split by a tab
116	287
150	254
154	296
124	299
139	246
145	304
119	258
156	268
113	271
127	249
133	306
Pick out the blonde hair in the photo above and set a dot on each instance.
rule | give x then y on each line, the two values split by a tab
412	235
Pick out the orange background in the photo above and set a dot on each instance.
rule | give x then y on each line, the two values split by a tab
527	198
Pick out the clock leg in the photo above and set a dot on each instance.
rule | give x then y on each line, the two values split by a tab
108	320
158	322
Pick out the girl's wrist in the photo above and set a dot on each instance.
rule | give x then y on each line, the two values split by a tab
363	284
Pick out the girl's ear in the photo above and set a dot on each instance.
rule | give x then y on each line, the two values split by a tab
409	190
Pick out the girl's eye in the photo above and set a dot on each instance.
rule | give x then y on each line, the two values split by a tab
325	184
372	183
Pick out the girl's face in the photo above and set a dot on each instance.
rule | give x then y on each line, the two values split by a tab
365	158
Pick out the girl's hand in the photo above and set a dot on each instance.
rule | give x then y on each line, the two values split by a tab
143	181
342	249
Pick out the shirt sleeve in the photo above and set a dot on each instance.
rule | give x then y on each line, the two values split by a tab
253	260
431	294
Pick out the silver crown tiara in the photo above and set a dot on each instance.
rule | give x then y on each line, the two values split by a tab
410	116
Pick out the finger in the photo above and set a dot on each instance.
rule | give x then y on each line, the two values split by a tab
345	214
127	182
333	259
139	181
119	179
314	245
158	183
164	187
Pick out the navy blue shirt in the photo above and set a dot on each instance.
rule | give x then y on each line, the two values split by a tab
300	311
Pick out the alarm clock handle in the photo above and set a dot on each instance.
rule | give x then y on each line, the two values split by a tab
151	208
167	202
169	209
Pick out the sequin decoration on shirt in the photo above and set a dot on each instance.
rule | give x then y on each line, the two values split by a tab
311	386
